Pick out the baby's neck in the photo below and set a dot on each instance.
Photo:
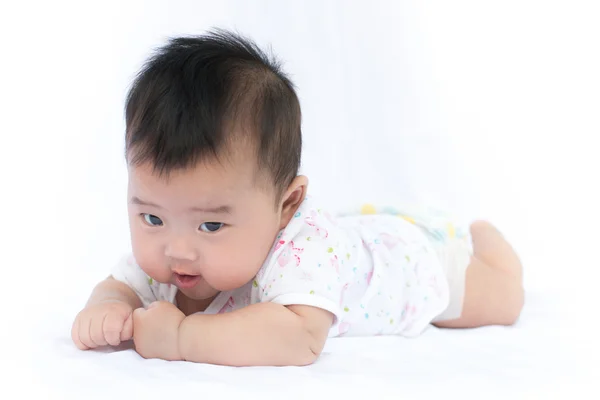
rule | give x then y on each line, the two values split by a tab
190	306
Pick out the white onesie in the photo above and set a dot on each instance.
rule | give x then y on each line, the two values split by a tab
378	274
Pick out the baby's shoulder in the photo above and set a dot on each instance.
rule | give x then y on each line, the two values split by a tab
311	234
311	221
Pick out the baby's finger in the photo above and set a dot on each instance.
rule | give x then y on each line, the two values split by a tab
96	331
84	332
137	315
75	335
127	332
113	325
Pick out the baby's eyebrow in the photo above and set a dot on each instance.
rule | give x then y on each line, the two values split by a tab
140	202
224	209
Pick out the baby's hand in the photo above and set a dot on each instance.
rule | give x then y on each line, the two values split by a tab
157	331
109	322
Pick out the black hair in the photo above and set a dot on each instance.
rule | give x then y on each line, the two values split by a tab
198	95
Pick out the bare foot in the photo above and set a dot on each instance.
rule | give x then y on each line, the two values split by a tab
490	246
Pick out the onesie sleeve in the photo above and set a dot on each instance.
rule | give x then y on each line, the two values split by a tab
304	267
130	273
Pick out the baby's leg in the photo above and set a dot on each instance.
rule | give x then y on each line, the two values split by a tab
493	288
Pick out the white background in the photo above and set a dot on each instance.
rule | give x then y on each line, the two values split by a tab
490	109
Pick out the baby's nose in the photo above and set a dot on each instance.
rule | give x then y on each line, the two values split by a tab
181	248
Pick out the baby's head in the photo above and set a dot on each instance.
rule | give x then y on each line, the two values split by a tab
213	146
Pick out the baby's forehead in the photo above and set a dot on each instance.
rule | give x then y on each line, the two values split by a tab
214	180
209	172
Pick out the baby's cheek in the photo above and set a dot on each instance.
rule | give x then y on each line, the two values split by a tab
237	262
231	273
151	261
155	271
228	277
147	266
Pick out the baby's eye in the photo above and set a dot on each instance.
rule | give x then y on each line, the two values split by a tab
211	226
152	220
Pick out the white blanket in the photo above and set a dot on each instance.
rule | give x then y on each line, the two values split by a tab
542	354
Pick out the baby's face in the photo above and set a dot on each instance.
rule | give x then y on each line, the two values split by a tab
205	230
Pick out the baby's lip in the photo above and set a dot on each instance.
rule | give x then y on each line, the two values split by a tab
182	272
186	281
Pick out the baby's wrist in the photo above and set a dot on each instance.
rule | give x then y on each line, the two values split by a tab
180	338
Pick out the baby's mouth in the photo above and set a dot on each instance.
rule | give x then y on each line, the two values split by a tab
186	281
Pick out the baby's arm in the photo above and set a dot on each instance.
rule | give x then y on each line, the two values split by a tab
112	290
260	334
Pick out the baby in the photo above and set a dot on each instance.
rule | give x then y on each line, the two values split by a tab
233	263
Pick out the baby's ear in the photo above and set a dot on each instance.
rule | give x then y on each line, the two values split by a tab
292	198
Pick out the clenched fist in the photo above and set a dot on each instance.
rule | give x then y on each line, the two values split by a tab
157	331
107	323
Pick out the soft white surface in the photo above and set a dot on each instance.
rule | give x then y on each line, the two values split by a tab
489	108
537	356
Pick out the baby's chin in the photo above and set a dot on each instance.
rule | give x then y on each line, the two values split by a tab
202	291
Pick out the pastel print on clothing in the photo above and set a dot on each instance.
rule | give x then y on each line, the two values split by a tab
312	221
289	251
229	306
